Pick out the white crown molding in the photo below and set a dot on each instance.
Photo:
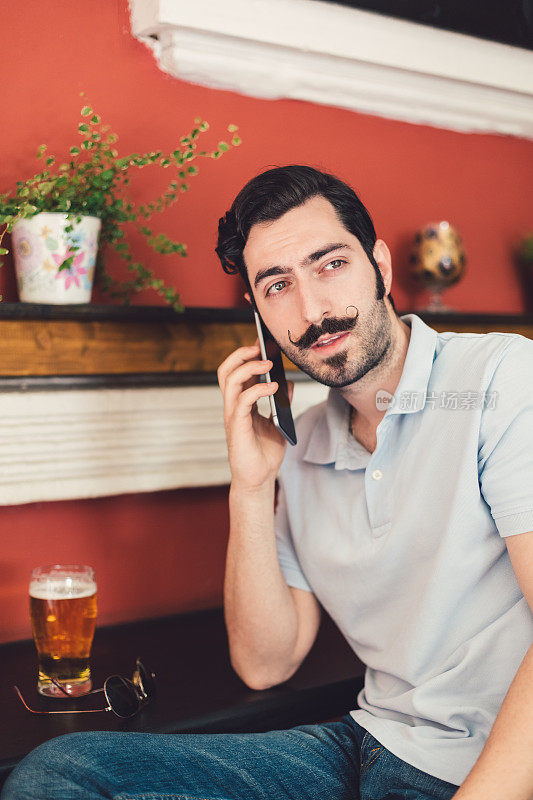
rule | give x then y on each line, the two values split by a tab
60	445
334	55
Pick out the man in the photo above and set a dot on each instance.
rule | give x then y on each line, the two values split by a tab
405	509
404	519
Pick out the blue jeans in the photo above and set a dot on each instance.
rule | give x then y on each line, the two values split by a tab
333	760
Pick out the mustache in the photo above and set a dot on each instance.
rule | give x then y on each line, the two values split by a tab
330	325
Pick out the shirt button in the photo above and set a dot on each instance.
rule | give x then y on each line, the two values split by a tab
377	474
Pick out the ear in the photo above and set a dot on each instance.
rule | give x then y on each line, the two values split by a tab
247	297
384	260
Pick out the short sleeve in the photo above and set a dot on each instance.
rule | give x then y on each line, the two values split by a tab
288	560
505	455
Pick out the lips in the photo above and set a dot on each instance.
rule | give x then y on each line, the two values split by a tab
331	339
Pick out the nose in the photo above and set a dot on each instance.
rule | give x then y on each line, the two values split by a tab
314	306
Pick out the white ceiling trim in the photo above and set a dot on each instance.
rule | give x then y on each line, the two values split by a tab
334	55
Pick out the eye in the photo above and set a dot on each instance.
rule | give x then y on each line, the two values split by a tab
338	261
271	287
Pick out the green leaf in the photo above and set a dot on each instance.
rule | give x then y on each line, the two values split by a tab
236	141
232	128
67	263
83	128
86	111
3	251
74	151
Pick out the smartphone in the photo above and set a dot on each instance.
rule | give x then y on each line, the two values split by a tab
279	401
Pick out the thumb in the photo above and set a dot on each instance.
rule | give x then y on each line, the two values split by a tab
290	387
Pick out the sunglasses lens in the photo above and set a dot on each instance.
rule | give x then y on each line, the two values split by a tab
121	696
148	683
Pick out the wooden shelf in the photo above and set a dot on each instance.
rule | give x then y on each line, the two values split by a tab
114	340
104	340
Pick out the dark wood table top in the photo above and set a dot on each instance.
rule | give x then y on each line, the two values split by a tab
197	689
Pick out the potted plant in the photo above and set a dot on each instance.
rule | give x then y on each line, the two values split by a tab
63	218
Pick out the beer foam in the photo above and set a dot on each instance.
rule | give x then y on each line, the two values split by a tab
61	588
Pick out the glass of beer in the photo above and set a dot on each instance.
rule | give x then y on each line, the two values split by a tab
63	618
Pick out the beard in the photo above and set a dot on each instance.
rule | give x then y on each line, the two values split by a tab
372	337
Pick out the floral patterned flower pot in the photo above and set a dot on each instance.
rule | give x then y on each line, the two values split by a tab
41	247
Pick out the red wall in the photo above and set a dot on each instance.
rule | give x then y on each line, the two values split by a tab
163	552
153	554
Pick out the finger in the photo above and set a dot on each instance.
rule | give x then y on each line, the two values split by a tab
239	356
241	379
248	398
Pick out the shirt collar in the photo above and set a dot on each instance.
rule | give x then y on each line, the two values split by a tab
328	436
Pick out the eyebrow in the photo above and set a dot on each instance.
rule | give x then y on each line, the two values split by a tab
266	272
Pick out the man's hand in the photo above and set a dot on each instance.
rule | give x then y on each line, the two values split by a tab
255	446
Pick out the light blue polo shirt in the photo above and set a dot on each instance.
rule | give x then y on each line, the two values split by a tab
404	547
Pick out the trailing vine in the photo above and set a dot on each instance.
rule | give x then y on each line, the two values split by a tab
93	181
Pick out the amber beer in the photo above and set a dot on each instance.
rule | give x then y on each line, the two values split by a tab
63	618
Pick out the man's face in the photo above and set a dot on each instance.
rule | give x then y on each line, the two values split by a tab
305	269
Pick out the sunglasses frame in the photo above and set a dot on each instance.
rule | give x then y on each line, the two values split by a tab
137	686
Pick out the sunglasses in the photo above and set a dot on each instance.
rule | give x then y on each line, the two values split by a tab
124	697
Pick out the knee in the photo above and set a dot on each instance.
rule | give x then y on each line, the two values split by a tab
58	768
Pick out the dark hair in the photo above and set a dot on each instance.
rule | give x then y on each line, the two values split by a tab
271	194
